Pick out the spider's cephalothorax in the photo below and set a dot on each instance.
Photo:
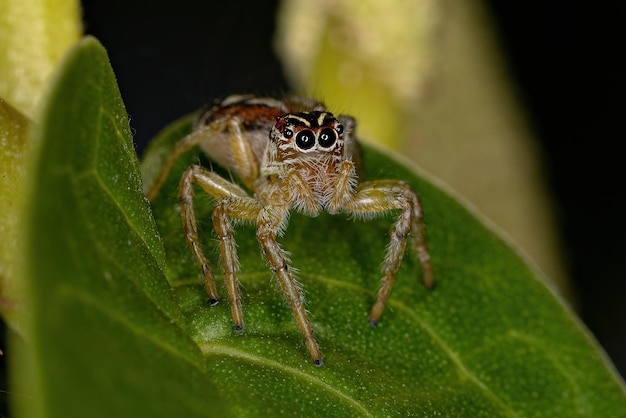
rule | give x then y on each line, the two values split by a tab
293	154
310	144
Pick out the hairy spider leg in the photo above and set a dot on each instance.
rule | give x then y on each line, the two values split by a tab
377	197
181	147
269	223
343	190
233	202
245	162
236	204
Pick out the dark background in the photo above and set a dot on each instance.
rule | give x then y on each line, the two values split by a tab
172	57
565	57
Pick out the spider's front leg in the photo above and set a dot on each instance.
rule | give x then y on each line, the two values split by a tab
377	197
269	223
233	202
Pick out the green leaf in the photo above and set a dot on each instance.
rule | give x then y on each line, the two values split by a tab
14	131
104	335
490	340
109	336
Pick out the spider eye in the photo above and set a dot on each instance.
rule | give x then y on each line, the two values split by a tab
305	140
339	128
327	138
288	133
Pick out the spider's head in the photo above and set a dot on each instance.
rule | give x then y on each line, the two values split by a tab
314	133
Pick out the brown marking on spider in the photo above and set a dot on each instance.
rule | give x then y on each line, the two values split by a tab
293	154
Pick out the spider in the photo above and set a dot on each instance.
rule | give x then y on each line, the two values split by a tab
292	154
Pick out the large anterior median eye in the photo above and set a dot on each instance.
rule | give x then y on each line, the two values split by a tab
305	139
327	138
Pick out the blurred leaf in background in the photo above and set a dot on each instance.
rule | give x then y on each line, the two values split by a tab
367	58
14	135
426	78
34	37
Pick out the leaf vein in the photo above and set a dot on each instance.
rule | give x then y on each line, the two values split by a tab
434	336
90	300
218	349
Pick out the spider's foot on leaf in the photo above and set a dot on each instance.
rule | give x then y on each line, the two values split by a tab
213	301
427	272
318	363
238	328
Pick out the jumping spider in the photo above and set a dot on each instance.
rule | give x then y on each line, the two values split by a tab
293	154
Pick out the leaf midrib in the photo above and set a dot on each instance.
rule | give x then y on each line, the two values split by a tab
220	349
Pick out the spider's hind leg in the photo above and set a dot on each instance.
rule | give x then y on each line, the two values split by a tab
182	146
